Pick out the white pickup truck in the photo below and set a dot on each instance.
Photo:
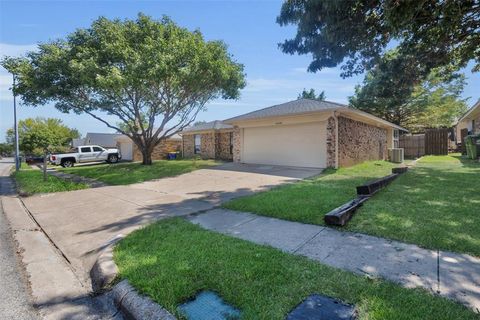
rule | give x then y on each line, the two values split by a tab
83	154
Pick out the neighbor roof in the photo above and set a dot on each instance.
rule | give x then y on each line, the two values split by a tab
305	106
212	125
471	111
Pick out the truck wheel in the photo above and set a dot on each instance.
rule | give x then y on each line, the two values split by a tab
67	163
113	158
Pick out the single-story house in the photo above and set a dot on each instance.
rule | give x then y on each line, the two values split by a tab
211	140
106	140
470	121
131	152
305	133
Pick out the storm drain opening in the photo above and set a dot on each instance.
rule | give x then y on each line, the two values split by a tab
318	307
207	305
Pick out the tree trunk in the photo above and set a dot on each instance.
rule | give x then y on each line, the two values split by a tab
146	156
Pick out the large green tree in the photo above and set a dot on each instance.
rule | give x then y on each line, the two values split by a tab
40	135
435	102
311	94
154	76
355	33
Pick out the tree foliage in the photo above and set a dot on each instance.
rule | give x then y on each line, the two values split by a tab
435	102
6	149
311	94
154	76
355	33
38	135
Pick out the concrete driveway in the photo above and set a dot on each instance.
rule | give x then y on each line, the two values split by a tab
80	223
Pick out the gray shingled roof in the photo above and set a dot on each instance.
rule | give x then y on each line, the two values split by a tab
288	108
212	125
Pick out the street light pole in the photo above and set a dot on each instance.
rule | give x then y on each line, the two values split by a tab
15	126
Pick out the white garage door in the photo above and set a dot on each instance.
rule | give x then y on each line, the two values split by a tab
126	150
301	145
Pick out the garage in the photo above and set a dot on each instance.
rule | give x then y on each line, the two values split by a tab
299	145
126	150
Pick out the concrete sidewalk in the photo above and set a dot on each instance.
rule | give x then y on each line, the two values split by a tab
456	276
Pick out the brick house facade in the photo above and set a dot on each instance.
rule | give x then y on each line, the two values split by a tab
215	141
213	145
161	150
359	142
309	133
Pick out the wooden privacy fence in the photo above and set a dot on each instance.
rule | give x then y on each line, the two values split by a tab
432	142
436	141
413	145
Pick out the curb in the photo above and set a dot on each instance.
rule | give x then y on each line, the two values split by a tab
133	305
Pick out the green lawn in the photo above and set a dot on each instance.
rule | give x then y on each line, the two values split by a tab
133	172
436	205
30	181
172	260
308	201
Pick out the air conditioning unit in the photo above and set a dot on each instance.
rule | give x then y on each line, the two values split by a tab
395	155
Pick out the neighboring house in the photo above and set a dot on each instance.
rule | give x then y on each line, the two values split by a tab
131	152
211	140
106	140
470	121
309	133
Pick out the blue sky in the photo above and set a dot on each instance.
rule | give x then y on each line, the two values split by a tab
248	28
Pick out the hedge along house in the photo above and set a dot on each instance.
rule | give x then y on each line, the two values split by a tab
131	152
211	140
310	133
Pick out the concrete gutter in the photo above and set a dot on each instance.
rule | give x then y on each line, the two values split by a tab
133	305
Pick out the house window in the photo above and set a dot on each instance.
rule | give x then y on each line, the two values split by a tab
396	136
473	126
198	142
231	142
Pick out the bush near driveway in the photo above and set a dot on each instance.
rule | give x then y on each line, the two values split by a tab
172	260
435	205
30	181
133	172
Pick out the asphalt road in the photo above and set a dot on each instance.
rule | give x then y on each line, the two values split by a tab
14	297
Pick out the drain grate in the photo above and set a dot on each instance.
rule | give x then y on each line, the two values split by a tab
317	307
207	305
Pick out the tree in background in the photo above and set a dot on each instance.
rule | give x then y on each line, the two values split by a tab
312	95
6	149
428	34
435	102
154	76
38	136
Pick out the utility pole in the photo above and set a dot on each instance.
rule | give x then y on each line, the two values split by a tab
15	126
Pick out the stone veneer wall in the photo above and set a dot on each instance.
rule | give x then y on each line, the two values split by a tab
331	145
207	145
160	151
222	146
237	147
358	142
188	145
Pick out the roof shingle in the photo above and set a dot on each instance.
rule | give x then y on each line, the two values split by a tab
289	108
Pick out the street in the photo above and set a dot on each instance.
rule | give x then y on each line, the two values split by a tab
14	296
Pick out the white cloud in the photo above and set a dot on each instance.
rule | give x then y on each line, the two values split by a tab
15	50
